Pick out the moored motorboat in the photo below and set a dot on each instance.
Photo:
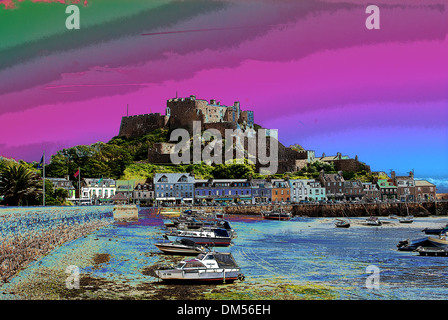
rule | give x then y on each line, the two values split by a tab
180	246
206	236
209	267
436	230
276	214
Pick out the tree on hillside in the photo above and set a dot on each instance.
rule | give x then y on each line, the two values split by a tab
19	184
233	171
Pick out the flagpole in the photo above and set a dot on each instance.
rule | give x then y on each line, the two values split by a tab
79	184
44	180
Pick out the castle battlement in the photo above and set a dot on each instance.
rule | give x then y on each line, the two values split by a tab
182	112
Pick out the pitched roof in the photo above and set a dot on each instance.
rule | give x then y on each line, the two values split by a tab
423	183
333	177
385	183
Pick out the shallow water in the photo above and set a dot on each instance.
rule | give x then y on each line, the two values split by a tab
300	251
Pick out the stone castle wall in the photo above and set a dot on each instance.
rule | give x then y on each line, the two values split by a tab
139	125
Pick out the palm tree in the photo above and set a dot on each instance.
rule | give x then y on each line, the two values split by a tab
19	183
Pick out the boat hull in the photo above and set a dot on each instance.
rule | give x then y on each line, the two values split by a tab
177	249
204	276
217	242
276	217
412	245
441	243
432	252
342	225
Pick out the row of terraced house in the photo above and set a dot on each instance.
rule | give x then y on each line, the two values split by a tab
183	188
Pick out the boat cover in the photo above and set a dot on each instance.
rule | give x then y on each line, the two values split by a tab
187	242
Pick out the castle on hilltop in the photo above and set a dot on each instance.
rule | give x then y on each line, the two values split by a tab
181	112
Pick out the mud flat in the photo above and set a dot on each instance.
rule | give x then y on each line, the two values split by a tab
29	233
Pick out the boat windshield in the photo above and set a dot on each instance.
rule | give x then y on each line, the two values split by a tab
200	256
221	232
180	265
194	264
225	260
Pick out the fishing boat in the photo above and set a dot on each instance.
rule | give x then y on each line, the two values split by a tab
276	214
206	236
209	267
373	221
180	246
341	223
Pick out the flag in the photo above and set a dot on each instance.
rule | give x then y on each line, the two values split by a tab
99	181
76	174
40	165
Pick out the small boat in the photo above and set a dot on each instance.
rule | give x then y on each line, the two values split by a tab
393	216
441	252
373	221
436	230
209	267
276	214
340	223
426	242
180	246
207	236
440	242
411	245
407	219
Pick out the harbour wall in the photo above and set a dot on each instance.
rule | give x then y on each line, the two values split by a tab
423	209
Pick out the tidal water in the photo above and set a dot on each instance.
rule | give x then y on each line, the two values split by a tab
303	250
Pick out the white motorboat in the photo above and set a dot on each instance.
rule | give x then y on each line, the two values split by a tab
180	246
210	267
207	236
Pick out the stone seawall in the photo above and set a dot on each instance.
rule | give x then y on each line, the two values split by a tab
339	210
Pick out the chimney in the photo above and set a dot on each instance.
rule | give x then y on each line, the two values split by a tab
192	97
236	104
411	174
212	101
392	175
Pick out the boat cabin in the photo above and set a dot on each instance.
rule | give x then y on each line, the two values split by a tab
210	260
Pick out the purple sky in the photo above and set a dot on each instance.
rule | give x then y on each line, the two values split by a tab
310	69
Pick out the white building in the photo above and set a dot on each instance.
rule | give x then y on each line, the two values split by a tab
98	189
306	190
